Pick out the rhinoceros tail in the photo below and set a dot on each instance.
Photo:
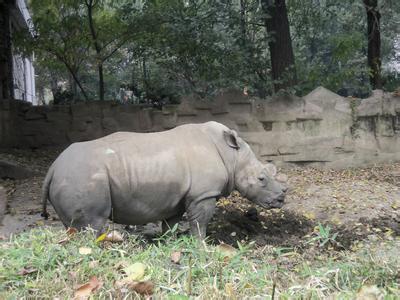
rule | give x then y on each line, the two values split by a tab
45	193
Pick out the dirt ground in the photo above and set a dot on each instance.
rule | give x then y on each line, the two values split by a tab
357	204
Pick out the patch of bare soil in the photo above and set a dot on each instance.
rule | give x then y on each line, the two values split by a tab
356	204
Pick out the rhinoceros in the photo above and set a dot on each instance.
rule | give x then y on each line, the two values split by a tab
137	178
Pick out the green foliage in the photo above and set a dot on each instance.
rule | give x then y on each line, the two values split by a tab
163	49
323	236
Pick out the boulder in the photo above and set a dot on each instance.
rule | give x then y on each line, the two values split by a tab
11	170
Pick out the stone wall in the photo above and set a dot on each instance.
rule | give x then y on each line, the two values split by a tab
321	128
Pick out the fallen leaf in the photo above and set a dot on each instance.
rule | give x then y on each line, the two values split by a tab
135	272
85	251
63	241
113	236
84	291
71	231
145	288
175	257
248	286
27	270
101	237
230	291
73	275
310	216
369	293
227	251
93	264
121	265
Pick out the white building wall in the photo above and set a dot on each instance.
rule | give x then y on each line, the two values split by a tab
23	70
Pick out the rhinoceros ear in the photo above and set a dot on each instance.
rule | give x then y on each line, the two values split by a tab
231	138
271	169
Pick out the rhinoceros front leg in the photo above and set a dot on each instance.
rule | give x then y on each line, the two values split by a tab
200	213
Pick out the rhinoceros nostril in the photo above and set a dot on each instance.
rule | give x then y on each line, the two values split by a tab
284	189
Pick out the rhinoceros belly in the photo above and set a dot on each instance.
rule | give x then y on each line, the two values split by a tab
149	188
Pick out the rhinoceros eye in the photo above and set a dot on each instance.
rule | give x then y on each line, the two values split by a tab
262	178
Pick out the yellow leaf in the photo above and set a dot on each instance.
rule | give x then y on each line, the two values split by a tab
248	286
230	291
310	216
101	237
135	272
85	251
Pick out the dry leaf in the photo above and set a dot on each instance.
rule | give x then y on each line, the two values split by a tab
175	257
309	215
230	291
145	288
226	250
369	293
26	271
71	231
84	291
93	264
121	265
85	251
73	275
135	272
63	241
113	236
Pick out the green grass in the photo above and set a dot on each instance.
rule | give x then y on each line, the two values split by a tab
204	271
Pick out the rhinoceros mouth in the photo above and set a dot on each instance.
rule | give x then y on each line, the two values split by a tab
276	203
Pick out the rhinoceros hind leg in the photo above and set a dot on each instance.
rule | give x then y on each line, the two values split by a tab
97	223
200	213
81	219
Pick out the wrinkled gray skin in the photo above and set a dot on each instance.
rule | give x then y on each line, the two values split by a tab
137	178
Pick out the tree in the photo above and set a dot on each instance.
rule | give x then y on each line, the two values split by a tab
6	75
57	37
374	42
82	35
280	44
108	33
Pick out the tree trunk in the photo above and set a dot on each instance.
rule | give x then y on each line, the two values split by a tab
243	29
145	76
374	43
97	47
6	72
280	46
101	81
73	87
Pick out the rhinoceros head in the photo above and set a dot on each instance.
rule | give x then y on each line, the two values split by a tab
256	181
264	187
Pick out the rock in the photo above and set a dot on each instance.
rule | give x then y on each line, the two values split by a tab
14	171
3	203
252	214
